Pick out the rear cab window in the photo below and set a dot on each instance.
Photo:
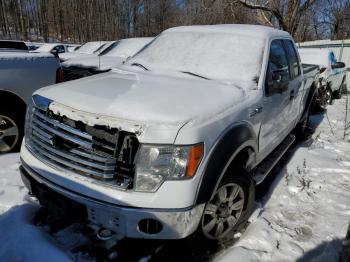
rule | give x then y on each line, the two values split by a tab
294	63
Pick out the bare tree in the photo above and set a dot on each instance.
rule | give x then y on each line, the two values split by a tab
286	13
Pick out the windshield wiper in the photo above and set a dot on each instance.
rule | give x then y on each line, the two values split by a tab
193	74
140	65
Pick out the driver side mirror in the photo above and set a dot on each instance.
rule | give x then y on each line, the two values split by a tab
278	80
338	65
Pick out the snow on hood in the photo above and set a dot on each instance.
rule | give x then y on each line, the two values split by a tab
140	97
70	55
99	62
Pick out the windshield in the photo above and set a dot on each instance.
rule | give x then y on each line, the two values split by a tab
219	55
126	47
89	47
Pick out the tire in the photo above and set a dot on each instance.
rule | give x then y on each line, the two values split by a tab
302	130
329	97
11	130
338	93
228	211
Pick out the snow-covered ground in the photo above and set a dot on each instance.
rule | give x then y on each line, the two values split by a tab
303	217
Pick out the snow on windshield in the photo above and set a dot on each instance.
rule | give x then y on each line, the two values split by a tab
128	47
218	55
90	47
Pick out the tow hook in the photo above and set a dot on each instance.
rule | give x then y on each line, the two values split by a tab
104	234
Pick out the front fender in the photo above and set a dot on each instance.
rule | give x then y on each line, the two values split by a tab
227	147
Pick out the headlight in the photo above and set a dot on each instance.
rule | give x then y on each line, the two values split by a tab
155	164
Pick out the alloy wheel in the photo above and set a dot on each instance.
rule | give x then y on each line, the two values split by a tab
222	213
9	134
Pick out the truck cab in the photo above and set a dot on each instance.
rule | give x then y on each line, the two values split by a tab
173	142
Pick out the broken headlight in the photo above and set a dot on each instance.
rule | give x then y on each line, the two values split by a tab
155	164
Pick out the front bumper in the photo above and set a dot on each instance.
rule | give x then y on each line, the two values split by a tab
124	221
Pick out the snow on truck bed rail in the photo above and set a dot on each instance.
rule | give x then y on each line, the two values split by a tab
24	55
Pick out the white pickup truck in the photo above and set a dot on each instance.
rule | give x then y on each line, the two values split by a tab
173	142
21	73
332	75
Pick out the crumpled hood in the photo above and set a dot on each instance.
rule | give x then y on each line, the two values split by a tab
98	62
145	98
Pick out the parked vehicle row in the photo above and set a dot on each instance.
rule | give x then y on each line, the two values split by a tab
332	77
171	143
112	56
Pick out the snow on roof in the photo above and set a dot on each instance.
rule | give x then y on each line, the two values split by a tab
249	30
314	56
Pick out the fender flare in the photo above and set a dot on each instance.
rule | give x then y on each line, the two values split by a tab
309	102
228	146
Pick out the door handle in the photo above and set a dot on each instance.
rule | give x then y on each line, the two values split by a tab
292	94
256	111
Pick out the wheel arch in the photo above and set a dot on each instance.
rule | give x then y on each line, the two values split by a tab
237	146
309	100
9	98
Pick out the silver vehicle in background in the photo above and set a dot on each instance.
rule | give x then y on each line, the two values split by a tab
21	73
332	77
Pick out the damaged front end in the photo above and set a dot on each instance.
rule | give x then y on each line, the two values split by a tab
104	153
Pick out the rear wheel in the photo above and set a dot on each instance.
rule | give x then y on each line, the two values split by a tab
328	97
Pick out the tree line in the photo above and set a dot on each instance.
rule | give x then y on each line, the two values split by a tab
78	21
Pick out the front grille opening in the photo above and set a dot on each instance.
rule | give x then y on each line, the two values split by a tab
106	154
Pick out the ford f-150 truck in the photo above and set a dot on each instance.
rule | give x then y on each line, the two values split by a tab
173	142
21	73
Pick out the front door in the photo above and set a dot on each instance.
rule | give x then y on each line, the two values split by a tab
277	119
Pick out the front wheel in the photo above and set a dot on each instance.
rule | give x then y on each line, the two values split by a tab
229	208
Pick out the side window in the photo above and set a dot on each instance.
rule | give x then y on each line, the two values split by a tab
293	59
278	63
60	49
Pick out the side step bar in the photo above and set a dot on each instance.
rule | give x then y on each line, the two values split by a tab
265	167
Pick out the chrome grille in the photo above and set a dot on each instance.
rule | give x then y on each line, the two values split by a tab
99	152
